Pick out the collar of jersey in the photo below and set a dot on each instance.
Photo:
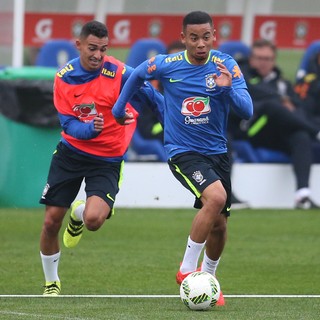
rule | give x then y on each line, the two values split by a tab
187	59
79	74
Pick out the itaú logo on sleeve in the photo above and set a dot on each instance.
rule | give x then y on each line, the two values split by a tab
196	106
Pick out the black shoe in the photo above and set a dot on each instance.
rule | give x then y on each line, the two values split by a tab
306	203
238	204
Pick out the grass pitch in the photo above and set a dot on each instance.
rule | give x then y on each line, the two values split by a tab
127	269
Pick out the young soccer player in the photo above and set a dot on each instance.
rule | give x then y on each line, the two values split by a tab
200	86
92	147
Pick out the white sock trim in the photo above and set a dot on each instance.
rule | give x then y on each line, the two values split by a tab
209	265
50	266
191	256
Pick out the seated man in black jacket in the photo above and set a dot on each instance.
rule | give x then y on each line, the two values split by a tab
308	88
278	122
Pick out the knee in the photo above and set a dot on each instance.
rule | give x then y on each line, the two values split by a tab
92	224
217	200
94	221
51	225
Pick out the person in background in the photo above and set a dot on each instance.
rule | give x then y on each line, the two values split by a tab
278	122
92	147
308	89
200	86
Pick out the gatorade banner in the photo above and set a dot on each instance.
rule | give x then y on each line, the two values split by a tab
41	27
287	32
124	30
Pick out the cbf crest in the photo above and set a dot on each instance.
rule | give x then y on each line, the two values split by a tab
197	176
210	83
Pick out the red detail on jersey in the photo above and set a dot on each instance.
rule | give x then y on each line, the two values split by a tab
195	106
85	111
97	96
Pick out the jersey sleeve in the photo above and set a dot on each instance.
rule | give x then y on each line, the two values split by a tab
70	124
147	70
148	97
237	76
238	95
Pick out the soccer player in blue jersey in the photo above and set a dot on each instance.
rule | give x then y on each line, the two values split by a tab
200	85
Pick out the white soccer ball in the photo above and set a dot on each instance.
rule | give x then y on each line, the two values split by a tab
200	291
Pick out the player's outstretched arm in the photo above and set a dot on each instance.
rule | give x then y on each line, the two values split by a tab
148	96
126	119
131	86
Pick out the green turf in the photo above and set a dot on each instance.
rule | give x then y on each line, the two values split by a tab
288	61
137	252
120	54
152	309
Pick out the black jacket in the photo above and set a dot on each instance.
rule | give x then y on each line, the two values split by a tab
272	89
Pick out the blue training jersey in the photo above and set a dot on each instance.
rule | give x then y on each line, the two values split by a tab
196	109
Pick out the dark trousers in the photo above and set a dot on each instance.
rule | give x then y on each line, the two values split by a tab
288	132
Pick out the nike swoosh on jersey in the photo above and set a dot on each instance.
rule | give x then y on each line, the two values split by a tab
109	196
175	80
78	95
228	209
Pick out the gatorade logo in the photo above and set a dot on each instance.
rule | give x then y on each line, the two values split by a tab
43	29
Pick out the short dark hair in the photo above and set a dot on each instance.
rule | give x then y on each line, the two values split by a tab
260	43
95	28
197	17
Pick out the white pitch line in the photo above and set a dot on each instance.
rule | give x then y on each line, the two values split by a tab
90	296
159	296
38	316
273	296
